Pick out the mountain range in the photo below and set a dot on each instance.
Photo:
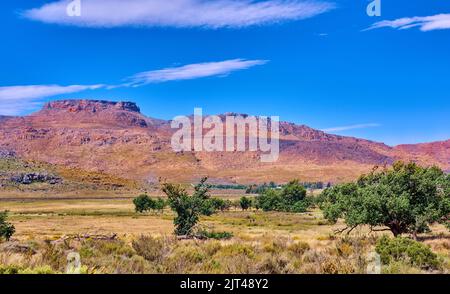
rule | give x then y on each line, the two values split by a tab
117	139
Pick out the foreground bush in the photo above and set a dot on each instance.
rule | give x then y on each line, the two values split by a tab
168	255
406	250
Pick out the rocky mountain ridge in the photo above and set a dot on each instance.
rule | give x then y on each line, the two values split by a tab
116	138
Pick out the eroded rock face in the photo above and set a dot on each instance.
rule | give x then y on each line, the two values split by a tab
30	178
76	112
90	106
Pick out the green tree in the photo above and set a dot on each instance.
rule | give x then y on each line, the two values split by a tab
270	200
6	228
293	192
188	208
221	204
245	203
160	204
404	199
143	203
291	198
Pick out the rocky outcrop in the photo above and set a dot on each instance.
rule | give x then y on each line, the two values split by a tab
30	178
80	113
5	153
92	106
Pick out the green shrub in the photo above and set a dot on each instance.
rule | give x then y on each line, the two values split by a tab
144	203
216	235
10	269
6	229
406	250
245	203
43	270
299	206
291	198
221	204
160	204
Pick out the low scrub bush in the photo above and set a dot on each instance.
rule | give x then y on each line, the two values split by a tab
216	235
151	248
406	250
299	248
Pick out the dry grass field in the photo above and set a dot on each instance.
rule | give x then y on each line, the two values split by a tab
262	242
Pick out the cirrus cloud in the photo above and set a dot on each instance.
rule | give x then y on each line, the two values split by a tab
17	99
193	71
211	14
351	127
424	23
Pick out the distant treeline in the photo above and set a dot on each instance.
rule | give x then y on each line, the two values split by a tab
227	187
257	189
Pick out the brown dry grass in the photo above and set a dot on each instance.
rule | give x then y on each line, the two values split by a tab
267	241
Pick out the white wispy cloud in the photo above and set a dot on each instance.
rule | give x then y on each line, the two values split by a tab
351	127
193	71
424	23
13	93
18	107
179	13
17	99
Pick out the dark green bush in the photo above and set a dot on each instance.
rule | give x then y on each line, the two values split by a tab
144	203
290	198
406	250
160	204
216	235
10	269
245	203
6	228
220	204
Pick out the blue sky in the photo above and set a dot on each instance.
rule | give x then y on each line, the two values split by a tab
312	63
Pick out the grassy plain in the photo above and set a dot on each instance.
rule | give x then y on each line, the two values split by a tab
262	242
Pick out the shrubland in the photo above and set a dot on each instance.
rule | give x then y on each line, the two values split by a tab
281	230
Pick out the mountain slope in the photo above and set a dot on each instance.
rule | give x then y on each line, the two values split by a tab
114	137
